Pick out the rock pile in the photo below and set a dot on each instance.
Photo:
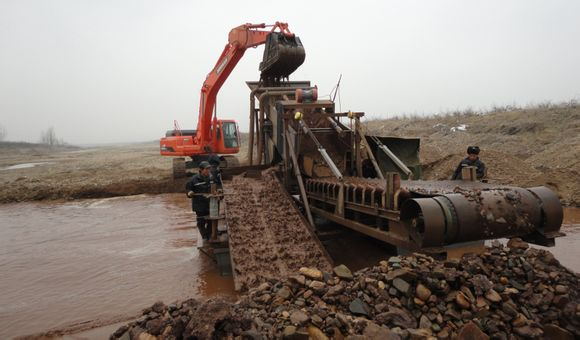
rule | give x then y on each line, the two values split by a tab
507	292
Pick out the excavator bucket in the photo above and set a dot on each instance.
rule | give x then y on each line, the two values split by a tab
282	56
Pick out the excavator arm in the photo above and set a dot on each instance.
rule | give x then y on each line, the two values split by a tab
239	39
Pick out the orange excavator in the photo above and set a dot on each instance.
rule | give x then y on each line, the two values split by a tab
283	54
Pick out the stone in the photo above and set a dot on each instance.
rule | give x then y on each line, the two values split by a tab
401	285
300	279
561	289
121	330
381	285
312	273
374	331
335	290
401	273
517	243
158	307
397	317
146	336
509	308
552	331
519	321
289	332
307	294
424	322
263	286
154	327
470	331
317	320
462	301
358	307
316	334
343	272
419	334
298	317
528	331
422	292
124	336
493	296
284	293
317	286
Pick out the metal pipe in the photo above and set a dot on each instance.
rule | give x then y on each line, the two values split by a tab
251	137
299	178
370	154
262	116
396	160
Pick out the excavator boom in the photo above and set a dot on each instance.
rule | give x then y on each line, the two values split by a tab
239	40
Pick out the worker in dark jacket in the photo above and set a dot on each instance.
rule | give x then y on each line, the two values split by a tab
215	170
472	159
199	185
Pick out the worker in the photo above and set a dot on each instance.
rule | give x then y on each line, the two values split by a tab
472	159
197	187
216	172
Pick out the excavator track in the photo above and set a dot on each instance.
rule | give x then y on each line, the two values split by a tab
268	237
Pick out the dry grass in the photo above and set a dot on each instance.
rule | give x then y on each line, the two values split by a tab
533	145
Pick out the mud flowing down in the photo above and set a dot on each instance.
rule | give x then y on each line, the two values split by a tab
92	262
268	237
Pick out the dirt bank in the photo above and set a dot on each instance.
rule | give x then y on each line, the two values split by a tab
30	172
509	292
268	236
522	147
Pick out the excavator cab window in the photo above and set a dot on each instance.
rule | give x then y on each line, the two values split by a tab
230	133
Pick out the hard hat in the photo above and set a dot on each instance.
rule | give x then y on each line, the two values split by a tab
298	115
204	165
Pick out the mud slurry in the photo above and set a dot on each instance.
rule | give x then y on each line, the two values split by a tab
268	237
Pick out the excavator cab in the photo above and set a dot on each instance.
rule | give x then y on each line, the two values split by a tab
283	54
227	137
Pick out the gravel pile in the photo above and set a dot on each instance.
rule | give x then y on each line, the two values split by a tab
508	292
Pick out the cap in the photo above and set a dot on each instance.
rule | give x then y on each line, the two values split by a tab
473	150
204	165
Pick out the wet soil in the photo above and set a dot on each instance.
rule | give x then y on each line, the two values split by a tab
69	267
66	174
268	236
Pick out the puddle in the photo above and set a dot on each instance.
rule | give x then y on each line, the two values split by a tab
24	166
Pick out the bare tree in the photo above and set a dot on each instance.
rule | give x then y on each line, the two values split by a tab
48	137
3	132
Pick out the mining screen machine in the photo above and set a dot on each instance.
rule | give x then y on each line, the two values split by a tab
322	156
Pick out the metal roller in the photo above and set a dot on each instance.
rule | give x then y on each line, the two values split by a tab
481	215
552	212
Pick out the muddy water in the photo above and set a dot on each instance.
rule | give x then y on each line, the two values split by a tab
96	261
567	249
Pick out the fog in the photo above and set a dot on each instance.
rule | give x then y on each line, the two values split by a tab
122	71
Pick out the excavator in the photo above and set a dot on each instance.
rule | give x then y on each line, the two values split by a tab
283	54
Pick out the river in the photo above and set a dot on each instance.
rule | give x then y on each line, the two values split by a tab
92	262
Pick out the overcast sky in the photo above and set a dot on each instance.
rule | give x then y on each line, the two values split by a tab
120	71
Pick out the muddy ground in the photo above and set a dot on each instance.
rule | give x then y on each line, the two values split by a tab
90	172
